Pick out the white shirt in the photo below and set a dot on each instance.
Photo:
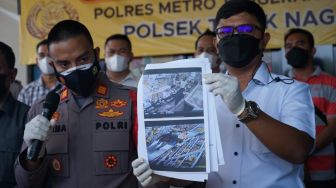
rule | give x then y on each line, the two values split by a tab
130	80
248	163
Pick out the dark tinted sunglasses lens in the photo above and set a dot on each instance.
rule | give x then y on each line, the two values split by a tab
245	28
225	30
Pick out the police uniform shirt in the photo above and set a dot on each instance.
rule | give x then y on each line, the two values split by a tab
92	145
12	122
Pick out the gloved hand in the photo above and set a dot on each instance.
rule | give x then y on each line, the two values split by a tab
37	128
144	173
228	88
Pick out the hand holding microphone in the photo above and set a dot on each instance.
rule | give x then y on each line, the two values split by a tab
228	88
37	129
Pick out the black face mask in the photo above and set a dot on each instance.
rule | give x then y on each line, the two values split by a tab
297	57
81	80
238	50
3	87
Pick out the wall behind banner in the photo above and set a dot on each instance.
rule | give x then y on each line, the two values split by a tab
166	27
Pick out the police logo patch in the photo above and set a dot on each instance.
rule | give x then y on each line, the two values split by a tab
118	103
110	161
111	113
56	164
101	103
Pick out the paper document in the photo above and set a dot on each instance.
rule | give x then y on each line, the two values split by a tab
177	120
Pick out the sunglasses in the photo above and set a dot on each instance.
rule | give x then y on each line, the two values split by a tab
241	29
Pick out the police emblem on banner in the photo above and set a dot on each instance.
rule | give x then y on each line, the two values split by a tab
44	15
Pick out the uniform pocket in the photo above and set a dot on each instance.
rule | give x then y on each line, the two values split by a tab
111	152
57	151
9	150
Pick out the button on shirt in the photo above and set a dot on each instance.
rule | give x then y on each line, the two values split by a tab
248	163
33	91
12	123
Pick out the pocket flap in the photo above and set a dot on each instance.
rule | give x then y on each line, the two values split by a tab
57	144
110	141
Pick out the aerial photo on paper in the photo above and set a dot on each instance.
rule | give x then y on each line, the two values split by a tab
175	92
177	145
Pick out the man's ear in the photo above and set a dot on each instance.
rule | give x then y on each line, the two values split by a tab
13	74
97	51
265	40
313	52
131	57
214	41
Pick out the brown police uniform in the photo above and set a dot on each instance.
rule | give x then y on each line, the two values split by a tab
91	146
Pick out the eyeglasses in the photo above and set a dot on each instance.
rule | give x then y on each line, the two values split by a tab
241	29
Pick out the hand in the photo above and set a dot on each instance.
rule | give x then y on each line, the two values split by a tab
37	129
228	88
144	173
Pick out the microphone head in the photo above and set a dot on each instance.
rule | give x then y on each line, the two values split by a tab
51	101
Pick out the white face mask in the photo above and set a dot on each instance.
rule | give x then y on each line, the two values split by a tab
45	67
212	58
222	68
117	63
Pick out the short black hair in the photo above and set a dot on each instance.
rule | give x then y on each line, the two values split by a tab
67	29
43	42
119	37
307	33
206	33
8	53
234	7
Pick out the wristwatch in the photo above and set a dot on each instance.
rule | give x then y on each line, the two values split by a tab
251	112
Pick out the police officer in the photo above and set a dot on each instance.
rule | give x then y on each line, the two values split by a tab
93	140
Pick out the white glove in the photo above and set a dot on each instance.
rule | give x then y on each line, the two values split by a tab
144	173
37	129
228	88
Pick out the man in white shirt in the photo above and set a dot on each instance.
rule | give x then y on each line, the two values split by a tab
266	121
118	56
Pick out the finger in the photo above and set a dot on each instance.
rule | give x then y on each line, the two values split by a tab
140	169
147	181
215	77
137	162
145	175
213	86
52	122
217	91
41	118
207	75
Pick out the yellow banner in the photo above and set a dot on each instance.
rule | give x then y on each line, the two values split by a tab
166	27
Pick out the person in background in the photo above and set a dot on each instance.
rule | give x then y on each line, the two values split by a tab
205	48
118	56
300	50
12	119
39	88
94	137
266	121
15	87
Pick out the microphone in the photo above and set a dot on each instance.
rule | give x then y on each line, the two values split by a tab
49	107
